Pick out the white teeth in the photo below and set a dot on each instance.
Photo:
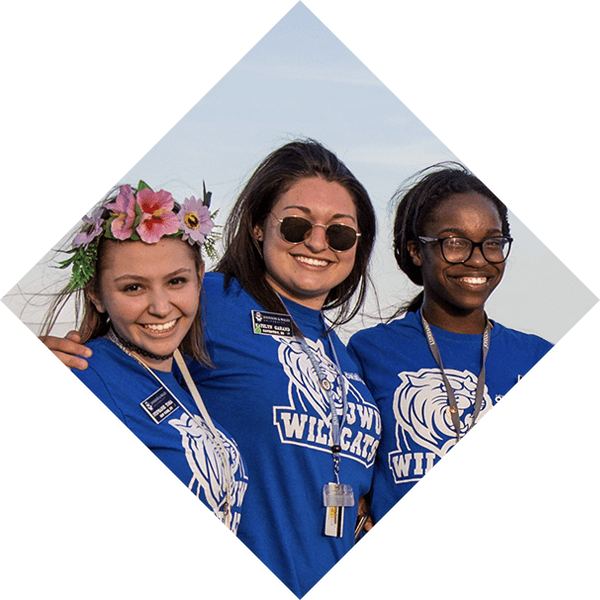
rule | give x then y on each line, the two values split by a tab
161	327
474	280
311	261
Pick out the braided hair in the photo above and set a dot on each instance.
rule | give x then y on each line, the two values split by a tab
417	198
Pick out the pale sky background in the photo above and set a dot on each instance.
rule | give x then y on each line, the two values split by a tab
300	80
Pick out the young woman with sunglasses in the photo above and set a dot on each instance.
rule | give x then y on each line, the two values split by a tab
298	243
435	372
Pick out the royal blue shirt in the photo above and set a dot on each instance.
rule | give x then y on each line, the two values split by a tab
264	391
401	373
175	432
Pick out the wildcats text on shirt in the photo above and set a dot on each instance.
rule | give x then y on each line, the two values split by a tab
359	443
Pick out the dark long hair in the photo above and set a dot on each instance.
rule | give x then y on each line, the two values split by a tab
417	198
285	166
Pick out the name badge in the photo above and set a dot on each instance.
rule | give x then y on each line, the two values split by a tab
266	323
159	405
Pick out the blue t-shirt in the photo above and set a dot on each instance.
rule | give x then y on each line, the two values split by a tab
399	369
265	393
171	428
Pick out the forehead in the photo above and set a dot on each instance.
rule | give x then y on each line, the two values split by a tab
320	199
139	258
467	213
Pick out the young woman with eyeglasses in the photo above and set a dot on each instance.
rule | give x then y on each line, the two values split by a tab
435	372
298	243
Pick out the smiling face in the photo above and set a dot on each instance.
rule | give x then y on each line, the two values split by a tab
306	272
455	295
151	293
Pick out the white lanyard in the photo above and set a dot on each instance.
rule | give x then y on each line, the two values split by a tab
221	450
219	447
485	346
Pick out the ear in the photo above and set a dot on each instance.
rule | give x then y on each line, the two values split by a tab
96	301
258	237
201	271
414	249
258	233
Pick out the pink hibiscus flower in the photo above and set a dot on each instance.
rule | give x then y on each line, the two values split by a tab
124	209
158	218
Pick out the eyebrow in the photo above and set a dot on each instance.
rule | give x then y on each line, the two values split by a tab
456	231
141	278
307	211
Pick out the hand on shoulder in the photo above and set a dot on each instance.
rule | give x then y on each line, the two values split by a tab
68	350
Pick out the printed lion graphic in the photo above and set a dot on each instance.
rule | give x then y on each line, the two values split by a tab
421	408
299	369
207	469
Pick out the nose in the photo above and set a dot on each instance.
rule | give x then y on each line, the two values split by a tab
160	304
477	258
317	239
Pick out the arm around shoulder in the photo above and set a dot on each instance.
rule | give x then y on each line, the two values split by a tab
68	350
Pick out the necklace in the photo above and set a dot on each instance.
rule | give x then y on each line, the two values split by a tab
133	348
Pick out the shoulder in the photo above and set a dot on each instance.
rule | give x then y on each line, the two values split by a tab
383	347
216	292
215	282
386	333
103	373
519	341
103	350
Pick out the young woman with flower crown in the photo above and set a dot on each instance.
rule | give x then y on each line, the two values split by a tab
137	268
298	243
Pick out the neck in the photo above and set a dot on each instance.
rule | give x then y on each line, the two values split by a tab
313	302
454	320
157	365
154	361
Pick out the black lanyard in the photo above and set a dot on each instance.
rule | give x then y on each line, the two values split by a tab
485	346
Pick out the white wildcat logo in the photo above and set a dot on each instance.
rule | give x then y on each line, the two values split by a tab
306	420
299	369
421	408
207	469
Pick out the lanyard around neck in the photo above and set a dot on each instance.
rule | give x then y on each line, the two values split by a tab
326	386
219	446
435	351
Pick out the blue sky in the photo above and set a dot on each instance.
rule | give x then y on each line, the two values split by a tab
302	81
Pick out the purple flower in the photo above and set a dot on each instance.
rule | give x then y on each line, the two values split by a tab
195	220
92	228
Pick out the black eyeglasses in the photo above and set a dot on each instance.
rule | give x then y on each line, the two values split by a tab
295	230
457	250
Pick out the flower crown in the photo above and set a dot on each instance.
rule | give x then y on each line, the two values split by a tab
139	215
